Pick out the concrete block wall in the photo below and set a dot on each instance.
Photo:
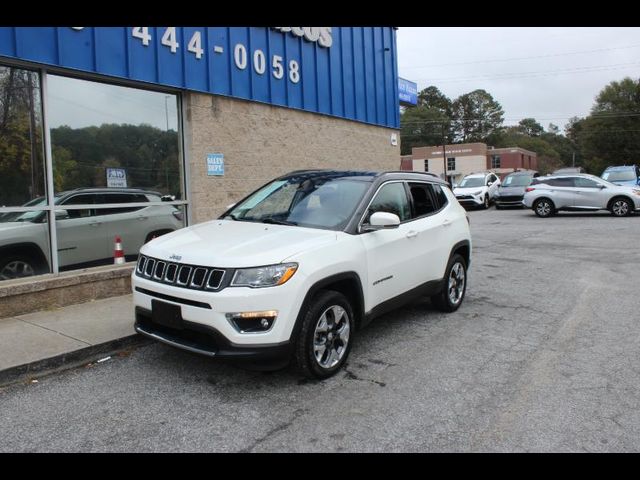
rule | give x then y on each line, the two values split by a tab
261	142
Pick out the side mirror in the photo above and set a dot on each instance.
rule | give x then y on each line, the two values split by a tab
601	186
381	221
62	214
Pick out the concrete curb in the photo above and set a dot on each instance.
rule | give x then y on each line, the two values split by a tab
66	361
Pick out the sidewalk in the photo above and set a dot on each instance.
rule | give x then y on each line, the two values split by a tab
42	342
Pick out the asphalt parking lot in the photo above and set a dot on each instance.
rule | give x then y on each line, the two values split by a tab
542	356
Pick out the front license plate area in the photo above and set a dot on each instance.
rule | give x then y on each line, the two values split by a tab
166	314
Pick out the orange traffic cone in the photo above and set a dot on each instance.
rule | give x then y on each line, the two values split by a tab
118	253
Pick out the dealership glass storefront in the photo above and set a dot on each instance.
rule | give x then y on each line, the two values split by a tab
82	162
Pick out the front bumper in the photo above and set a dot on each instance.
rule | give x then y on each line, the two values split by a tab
470	200
208	310
510	201
205	340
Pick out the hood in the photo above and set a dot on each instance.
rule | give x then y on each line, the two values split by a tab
467	190
511	190
16	226
230	243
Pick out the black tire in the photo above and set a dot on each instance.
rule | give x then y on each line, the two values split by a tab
621	207
544	207
486	204
443	300
18	266
304	353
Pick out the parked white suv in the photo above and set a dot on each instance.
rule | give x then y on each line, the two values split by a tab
85	236
477	189
298	266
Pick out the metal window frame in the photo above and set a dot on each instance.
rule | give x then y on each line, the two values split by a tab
50	207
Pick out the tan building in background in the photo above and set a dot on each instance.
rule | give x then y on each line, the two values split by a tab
466	158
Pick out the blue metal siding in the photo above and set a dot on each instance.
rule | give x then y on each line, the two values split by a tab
355	78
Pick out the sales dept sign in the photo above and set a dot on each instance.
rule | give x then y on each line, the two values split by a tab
215	164
116	178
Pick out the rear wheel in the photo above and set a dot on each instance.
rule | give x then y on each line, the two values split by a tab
621	207
324	341
544	208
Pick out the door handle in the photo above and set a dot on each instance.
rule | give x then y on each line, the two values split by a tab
446	223
142	218
412	234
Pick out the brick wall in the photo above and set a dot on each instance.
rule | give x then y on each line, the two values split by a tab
260	142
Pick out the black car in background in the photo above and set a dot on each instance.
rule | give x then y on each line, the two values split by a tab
511	191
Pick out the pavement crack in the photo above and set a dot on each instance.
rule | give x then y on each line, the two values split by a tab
55	331
275	430
352	376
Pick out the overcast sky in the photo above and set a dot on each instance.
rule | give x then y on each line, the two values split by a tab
550	74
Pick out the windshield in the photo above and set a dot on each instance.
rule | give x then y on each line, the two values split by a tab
620	176
517	181
27	216
307	201
471	182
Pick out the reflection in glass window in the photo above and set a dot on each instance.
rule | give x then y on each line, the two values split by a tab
21	150
24	244
97	126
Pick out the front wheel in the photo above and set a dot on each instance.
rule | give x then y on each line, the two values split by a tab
324	341
17	266
621	207
454	286
485	204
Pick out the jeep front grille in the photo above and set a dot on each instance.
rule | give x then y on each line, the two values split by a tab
194	277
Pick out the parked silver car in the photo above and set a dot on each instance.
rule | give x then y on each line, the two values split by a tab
85	236
579	192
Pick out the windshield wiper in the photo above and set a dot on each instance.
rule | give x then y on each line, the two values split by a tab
277	222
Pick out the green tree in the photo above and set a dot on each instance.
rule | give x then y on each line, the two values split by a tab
610	135
433	98
476	116
530	127
422	126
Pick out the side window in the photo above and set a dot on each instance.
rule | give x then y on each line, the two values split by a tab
441	197
85	199
561	182
121	198
422	200
391	198
586	183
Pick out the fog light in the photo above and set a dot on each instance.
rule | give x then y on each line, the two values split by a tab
252	322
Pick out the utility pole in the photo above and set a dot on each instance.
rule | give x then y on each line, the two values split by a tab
444	156
573	161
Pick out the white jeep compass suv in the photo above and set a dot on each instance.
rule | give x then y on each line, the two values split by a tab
292	271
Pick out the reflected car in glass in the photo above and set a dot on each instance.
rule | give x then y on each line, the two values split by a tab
85	236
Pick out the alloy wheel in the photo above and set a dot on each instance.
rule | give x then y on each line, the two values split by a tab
457	278
331	336
16	269
620	208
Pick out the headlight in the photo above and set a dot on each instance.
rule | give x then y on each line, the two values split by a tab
477	193
268	276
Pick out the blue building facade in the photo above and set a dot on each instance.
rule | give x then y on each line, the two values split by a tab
347	72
